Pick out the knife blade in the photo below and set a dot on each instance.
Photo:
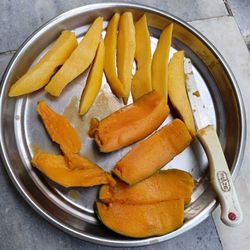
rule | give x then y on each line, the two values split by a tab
220	176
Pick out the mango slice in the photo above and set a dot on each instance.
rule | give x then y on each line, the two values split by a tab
177	90
56	168
79	60
39	75
110	42
160	62
126	51
75	161
94	81
139	221
172	184
130	123
153	153
59	129
141	83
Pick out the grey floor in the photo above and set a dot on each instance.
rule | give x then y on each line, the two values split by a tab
20	226
241	12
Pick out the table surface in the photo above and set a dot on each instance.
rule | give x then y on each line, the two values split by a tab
21	227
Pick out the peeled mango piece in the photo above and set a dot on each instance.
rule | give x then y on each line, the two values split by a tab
75	161
177	90
94	81
140	221
110	56
79	60
150	155
126	51
39	75
56	168
59	129
160	62
141	83
130	123
94	123
172	184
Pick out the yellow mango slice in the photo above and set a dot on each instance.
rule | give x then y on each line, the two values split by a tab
148	156
39	75
171	184
94	81
56	168
126	51
140	221
160	62
110	42
59	129
141	83
177	90
79	60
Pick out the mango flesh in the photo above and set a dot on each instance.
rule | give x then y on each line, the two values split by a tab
70	170
140	221
79	60
150	155
141	83
94	81
56	168
59	129
126	51
177	90
130	123
160	62
172	184
75	161
110	56
39	75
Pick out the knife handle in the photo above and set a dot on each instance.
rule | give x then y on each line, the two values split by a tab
220	177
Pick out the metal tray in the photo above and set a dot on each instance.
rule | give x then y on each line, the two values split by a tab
22	132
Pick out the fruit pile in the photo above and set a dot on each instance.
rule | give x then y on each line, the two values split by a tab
139	199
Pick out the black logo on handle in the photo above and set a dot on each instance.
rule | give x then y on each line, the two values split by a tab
224	181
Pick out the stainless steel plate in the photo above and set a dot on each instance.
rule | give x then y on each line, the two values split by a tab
22	132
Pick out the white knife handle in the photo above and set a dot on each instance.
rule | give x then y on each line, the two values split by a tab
220	177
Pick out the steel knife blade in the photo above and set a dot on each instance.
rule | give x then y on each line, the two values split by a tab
198	108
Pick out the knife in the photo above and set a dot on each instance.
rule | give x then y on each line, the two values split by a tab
220	176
